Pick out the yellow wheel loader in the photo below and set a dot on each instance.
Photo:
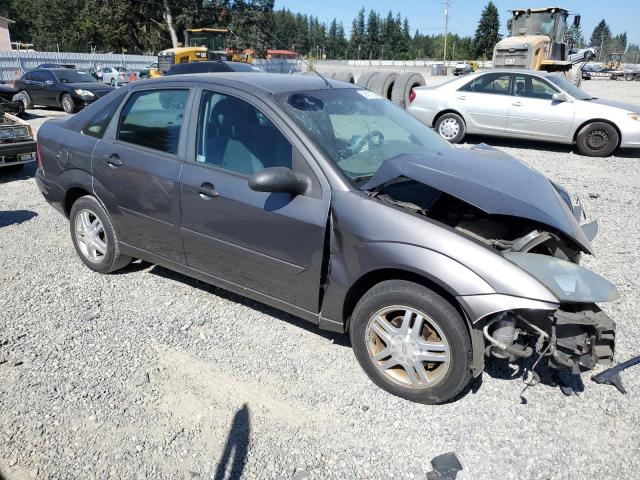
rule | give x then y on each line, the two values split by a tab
536	41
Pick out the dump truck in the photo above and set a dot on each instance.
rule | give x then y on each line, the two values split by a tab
536	41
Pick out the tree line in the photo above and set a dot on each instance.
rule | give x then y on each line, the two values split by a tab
148	26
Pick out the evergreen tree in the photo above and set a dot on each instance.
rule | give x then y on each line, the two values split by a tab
601	38
574	36
357	39
488	31
372	37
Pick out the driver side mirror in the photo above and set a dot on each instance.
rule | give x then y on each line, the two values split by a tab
559	97
576	20
509	24
279	180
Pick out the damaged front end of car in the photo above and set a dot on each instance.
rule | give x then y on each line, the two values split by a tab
532	224
577	334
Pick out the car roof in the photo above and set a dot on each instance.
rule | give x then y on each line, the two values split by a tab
252	82
539	73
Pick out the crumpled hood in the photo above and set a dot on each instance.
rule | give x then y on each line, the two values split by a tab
613	103
490	180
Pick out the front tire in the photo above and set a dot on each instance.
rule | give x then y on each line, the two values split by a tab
597	139
451	127
68	105
94	237
411	342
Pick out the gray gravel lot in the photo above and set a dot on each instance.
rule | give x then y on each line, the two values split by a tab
150	374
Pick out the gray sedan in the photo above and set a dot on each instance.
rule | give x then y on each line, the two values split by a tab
529	105
328	202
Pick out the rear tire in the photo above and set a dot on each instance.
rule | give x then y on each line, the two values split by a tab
402	87
434	329
101	237
597	139
382	84
451	127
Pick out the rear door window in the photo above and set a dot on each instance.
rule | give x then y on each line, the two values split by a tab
153	119
494	83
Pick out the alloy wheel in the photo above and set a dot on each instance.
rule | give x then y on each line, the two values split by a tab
67	104
91	236
449	128
407	346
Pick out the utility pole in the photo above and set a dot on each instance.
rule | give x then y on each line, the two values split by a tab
446	26
601	47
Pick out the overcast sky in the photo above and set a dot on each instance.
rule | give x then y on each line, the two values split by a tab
427	16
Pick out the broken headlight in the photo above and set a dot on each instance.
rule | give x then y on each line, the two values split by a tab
567	281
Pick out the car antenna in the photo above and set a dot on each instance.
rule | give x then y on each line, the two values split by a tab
282	45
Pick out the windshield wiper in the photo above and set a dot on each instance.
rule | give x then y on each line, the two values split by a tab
359	178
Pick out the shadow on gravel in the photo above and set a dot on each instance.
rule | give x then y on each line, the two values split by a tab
499	142
236	447
337	338
28	171
15	217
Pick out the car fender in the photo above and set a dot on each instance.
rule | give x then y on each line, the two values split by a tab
355	269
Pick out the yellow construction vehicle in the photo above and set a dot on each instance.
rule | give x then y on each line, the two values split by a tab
536	41
614	60
173	56
201	44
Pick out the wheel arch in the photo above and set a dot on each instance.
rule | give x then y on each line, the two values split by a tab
367	281
73	194
445	111
594	120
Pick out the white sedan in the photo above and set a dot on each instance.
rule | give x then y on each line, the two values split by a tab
529	105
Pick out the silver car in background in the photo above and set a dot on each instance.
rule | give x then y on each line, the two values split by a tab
115	76
528	105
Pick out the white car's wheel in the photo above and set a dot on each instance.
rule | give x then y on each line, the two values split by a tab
451	127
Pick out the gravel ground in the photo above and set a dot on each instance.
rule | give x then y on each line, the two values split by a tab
149	374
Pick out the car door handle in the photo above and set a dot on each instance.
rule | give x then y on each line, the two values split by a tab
112	160
207	191
462	97
517	104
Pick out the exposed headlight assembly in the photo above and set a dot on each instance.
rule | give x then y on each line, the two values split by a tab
84	93
567	281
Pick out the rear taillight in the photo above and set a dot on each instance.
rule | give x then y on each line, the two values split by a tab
412	95
39	156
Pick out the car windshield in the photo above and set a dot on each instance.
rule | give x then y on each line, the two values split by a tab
73	76
569	87
358	129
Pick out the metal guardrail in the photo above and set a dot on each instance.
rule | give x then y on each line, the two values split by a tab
15	62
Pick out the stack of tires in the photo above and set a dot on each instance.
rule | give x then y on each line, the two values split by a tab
390	85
